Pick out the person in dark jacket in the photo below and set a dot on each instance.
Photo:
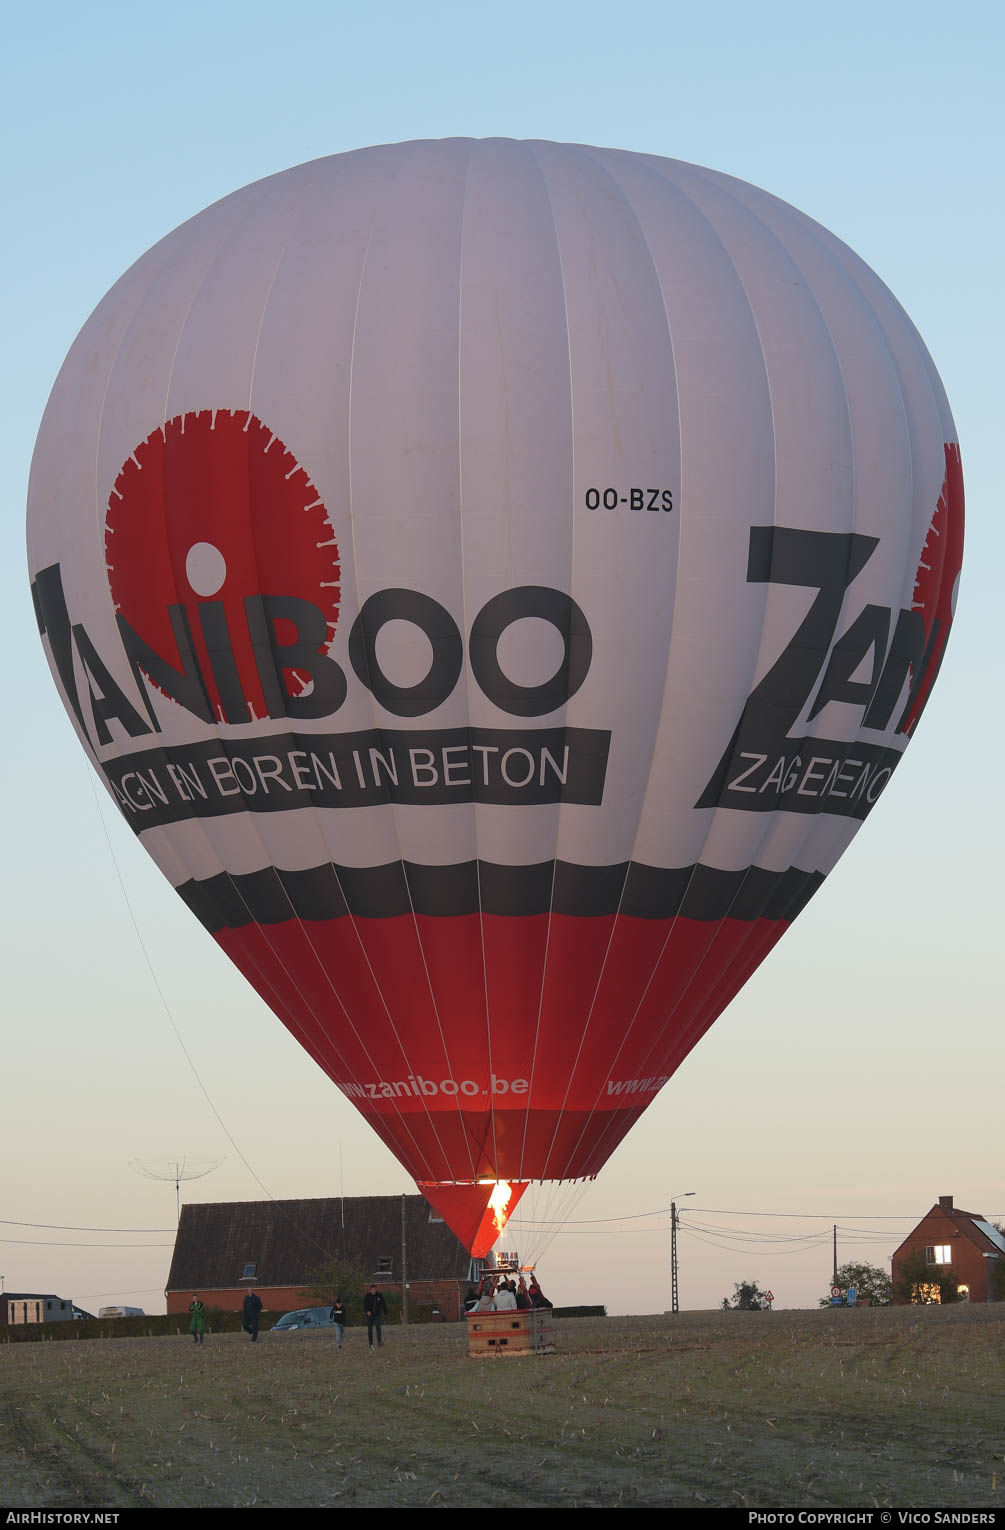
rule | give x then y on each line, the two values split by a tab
338	1317
251	1312
537	1296
375	1308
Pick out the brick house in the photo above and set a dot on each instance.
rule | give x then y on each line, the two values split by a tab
221	1251
962	1240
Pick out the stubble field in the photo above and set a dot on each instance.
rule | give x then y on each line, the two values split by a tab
898	1407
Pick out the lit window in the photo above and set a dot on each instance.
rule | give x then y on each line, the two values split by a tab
940	1254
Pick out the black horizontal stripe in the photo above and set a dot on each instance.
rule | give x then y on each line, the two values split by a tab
285	772
383	892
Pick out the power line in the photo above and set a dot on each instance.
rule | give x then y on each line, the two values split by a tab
61	1227
636	1216
90	1296
824	1216
40	1243
753	1237
711	1211
747	1248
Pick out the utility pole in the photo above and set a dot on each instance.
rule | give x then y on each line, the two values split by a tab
674	1307
835	1280
674	1302
404	1266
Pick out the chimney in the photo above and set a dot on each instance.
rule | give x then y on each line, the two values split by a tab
946	1202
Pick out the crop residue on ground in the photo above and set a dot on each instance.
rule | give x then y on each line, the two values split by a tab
895	1406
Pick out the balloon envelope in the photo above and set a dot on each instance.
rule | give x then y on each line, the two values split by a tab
496	580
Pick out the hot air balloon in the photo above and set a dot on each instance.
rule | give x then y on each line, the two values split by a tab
495	580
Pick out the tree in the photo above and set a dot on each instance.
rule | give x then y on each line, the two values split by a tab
922	1283
871	1283
747	1297
337	1278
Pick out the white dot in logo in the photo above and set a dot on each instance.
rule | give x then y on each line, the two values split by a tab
205	568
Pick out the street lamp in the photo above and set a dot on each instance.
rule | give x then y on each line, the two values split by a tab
674	1304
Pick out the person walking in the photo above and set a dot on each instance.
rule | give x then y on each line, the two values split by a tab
251	1311
375	1308
197	1319
338	1317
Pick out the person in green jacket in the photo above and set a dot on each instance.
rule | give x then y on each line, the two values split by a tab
197	1321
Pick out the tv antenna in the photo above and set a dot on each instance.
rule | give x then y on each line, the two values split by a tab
175	1171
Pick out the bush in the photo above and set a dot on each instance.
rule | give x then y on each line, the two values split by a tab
747	1297
422	1312
158	1325
336	1278
924	1284
872	1284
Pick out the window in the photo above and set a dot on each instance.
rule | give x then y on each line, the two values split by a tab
384	1266
940	1254
249	1271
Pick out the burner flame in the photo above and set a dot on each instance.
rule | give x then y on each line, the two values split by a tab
498	1201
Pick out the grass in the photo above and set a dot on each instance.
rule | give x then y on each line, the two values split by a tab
895	1406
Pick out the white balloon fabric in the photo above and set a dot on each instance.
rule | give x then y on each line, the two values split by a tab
496	580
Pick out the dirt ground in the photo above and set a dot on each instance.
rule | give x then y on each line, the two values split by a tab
896	1406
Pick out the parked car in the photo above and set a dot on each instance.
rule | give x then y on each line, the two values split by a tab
305	1317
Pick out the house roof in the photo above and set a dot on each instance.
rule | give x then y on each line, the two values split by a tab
970	1223
287	1241
31	1296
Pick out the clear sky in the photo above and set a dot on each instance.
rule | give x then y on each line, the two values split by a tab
858	1075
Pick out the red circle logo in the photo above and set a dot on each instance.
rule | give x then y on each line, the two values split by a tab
211	509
